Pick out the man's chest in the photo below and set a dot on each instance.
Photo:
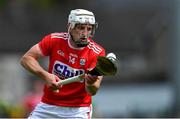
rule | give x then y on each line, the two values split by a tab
67	63
77	59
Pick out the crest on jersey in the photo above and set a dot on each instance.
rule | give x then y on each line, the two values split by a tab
82	62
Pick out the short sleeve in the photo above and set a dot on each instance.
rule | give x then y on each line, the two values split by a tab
94	60
103	53
46	45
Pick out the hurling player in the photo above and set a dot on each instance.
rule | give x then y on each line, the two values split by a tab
70	54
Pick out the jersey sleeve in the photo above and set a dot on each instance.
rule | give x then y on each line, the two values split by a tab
94	60
46	45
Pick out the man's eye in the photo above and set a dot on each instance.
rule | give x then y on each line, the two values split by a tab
89	29
82	28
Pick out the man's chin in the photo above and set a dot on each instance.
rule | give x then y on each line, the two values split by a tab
82	43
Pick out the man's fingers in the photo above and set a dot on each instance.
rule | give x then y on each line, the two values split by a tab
53	83
90	79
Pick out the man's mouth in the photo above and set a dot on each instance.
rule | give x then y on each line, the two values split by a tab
83	39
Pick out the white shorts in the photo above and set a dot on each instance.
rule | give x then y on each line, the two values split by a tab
43	110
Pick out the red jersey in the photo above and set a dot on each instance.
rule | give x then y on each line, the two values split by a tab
66	61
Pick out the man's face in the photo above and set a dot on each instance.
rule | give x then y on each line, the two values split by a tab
81	32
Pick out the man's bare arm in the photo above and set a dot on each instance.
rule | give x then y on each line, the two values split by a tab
30	62
92	84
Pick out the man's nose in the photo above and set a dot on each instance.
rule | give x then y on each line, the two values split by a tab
85	32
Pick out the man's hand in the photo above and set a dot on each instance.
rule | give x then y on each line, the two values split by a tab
52	82
92	83
90	80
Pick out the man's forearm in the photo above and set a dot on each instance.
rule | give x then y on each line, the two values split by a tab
32	65
93	88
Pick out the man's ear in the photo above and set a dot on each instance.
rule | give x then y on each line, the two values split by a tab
68	25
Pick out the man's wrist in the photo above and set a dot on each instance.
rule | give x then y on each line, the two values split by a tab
88	83
91	89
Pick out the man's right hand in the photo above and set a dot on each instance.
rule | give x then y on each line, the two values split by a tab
52	82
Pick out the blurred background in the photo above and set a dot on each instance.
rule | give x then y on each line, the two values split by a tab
144	34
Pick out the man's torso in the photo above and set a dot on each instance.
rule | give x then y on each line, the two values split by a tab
66	61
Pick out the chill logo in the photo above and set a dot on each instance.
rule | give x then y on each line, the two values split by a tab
64	71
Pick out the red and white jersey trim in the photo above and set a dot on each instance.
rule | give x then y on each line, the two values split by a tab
94	47
64	36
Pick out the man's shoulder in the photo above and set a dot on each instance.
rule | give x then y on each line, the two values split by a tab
95	47
59	35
